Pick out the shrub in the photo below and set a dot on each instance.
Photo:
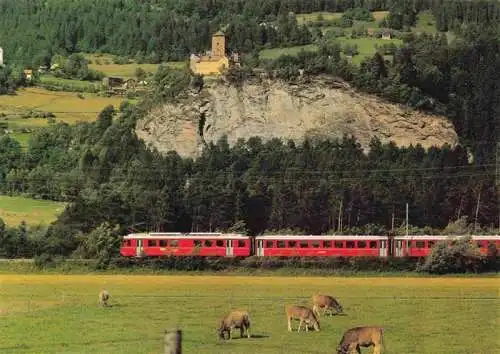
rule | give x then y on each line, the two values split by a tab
454	256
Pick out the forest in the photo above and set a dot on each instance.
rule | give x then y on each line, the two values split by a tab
32	31
110	177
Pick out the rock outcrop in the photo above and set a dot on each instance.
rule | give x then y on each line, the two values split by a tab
324	108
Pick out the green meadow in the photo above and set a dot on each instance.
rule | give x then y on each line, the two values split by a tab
419	315
13	210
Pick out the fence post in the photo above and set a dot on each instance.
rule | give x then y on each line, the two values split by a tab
172	341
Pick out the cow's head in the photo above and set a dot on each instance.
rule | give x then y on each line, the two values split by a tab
342	349
338	308
314	323
221	332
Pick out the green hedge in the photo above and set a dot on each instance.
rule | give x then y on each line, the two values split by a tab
370	264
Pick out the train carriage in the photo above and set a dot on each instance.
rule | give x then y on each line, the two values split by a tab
178	244
229	245
421	246
316	245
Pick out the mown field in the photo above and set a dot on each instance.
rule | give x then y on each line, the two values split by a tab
13	210
366	48
66	106
420	315
330	16
105	63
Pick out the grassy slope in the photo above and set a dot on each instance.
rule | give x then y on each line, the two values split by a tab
366	46
104	63
440	315
15	209
66	106
52	80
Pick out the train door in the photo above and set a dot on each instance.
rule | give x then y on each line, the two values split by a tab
139	248
260	248
383	248
229	248
398	248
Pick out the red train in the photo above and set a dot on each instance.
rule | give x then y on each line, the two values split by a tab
236	245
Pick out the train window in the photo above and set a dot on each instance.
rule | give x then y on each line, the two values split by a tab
361	244
315	244
241	243
292	243
219	243
151	243
128	243
281	244
327	244
420	244
304	244
197	243
479	244
269	244
208	243
409	244
430	244
163	243
174	243
339	244
373	244
349	244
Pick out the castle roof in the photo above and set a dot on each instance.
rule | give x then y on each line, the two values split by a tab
219	33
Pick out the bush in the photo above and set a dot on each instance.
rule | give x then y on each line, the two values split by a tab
455	256
197	263
43	260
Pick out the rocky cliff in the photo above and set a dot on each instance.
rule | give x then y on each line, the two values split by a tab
322	108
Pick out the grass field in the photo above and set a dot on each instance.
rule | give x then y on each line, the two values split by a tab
66	106
58	81
104	63
426	22
366	47
420	315
274	53
13	210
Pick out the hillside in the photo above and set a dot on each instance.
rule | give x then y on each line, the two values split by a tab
325	108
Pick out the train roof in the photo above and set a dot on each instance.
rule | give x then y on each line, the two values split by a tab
322	237
445	237
187	236
373	237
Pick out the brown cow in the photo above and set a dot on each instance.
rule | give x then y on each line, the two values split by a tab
327	303
357	337
304	314
235	319
103	297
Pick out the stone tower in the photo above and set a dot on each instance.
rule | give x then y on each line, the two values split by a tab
218	45
1	56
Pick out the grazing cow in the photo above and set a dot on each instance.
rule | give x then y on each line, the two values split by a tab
304	314
357	337
103	297
236	319
327	303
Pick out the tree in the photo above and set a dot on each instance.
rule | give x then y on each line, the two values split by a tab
103	243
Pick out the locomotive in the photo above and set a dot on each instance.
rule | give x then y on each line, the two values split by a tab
156	244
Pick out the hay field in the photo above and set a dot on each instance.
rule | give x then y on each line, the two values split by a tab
13	210
329	16
66	106
420	315
104	63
